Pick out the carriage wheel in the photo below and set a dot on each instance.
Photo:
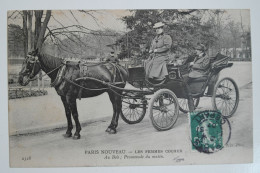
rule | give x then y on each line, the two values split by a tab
133	110
183	104
226	97
163	109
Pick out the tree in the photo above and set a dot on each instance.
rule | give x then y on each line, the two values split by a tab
37	36
92	45
15	40
185	27
246	39
32	37
235	33
40	39
25	32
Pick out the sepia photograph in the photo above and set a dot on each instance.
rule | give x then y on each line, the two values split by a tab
129	87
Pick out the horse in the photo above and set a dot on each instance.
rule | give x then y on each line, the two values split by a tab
69	89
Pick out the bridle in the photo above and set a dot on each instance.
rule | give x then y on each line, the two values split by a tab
33	61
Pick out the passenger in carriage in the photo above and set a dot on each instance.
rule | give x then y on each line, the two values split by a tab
200	68
155	66
201	63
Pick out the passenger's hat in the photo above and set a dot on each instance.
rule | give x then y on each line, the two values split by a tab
158	25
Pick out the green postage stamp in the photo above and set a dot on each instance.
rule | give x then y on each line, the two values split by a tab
206	131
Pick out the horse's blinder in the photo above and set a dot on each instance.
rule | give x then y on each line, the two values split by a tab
33	60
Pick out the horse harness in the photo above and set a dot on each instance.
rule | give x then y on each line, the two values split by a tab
84	73
36	60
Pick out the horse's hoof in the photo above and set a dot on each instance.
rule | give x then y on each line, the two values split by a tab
111	131
67	135
75	137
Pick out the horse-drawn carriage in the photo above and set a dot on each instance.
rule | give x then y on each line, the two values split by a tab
171	95
74	80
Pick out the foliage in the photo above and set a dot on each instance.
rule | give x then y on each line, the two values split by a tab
80	45
184	26
15	40
73	39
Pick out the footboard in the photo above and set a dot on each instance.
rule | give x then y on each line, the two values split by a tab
136	76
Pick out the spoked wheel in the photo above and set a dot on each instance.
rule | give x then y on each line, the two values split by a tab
226	130
183	103
163	109
133	110
226	97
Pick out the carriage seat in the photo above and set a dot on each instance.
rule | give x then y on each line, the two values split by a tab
195	80
200	79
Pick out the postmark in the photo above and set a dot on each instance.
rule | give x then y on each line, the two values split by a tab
207	131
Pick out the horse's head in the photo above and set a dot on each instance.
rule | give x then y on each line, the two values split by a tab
30	68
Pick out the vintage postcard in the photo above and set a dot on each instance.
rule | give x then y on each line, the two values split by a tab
129	87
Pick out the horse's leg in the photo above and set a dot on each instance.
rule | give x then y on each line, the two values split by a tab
117	105
73	107
68	115
111	128
118	109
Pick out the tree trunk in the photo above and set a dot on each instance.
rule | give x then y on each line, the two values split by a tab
43	29
38	17
235	50
38	24
25	32
29	38
30	34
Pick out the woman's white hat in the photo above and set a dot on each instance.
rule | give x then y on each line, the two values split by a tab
112	53
158	25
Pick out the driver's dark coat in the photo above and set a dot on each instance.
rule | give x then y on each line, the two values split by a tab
200	67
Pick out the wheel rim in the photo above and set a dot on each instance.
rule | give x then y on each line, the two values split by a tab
133	110
183	103
226	130
226	97
165	111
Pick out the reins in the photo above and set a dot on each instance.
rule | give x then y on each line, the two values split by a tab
110	86
45	73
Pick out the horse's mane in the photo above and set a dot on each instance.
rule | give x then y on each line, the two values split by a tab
50	61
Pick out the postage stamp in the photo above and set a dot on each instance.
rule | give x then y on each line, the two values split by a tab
206	131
